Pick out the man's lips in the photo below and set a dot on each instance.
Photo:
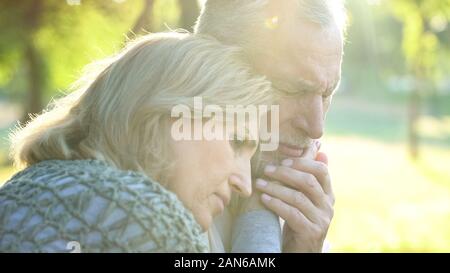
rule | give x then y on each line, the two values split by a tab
290	150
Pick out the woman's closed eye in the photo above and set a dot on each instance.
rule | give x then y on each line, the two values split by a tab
242	145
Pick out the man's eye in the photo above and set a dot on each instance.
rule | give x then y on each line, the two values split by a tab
326	96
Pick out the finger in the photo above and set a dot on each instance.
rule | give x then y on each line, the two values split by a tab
322	157
293	217
316	168
311	151
298	180
292	197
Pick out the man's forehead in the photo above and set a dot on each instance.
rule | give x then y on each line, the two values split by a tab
306	72
302	56
315	40
307	36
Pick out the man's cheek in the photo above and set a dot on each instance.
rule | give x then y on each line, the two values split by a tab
326	106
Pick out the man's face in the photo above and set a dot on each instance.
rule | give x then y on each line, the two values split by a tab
304	64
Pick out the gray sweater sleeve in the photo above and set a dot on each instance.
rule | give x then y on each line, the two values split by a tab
256	231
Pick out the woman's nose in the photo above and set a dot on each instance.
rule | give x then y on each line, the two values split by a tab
241	180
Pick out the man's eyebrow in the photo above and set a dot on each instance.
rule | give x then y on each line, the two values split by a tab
294	87
307	86
302	85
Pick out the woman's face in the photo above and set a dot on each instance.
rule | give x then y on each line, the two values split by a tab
207	171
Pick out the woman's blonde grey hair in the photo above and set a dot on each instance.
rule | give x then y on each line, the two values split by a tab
119	110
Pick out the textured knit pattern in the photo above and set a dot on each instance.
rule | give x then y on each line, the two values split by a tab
104	209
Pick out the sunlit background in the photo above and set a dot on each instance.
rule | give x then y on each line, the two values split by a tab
387	134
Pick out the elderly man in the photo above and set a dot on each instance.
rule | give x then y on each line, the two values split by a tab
298	45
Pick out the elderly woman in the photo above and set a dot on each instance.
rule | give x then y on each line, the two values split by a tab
102	172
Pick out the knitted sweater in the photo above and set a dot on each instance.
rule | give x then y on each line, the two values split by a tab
55	205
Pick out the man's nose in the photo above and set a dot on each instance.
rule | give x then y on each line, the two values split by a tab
241	179
310	117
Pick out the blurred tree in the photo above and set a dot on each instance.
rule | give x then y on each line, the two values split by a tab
421	44
21	21
372	55
45	43
189	13
38	35
143	22
33	57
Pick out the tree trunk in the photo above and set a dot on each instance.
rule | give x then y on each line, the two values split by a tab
33	104
143	23
413	116
189	13
33	61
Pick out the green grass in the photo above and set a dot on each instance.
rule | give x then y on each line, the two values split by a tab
353	116
385	202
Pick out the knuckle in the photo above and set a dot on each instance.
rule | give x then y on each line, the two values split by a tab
322	168
331	215
299	161
328	207
283	172
275	202
317	232
332	199
298	198
284	169
324	226
310	180
294	214
326	221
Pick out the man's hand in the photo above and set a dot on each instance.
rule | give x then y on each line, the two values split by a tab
300	193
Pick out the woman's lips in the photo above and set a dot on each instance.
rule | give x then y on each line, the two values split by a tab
290	150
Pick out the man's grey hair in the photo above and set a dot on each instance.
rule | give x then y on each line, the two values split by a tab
245	23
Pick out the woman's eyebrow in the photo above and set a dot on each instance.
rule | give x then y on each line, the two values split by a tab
252	143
